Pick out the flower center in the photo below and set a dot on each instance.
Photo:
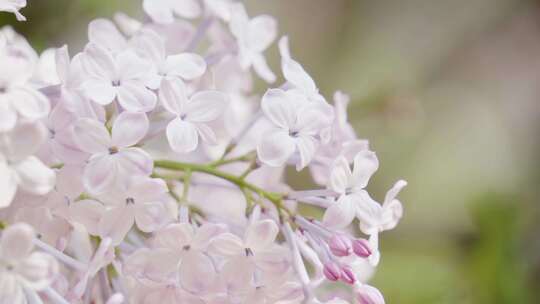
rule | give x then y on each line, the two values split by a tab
130	201
113	150
248	251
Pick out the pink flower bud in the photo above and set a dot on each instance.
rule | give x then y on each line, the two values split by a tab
369	295
361	248
347	275
340	245
332	271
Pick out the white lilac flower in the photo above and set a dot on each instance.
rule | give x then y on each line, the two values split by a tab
350	187
21	269
121	78
254	36
140	203
18	100
191	114
113	157
296	126
19	169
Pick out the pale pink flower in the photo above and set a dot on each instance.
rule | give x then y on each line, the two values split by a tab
254	36
296	126
256	251
140	203
121	78
192	115
113	157
350	187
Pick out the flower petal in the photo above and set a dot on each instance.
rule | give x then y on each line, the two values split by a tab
341	213
38	270
99	174
8	185
34	176
17	242
134	162
8	117
116	223
297	76
87	213
205	106
172	95
174	236
105	34
365	164
227	244
261	234
187	8
158	11
340	176
278	108
30	103
99	91
151	216
186	65
197	273
275	148
129	129
306	146
91	136
98	62
182	136
262	32
133	96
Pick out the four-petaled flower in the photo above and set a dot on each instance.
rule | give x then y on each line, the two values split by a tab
191	114
113	158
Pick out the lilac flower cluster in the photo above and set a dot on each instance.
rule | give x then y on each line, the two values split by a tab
146	169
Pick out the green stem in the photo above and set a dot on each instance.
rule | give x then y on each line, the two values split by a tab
240	182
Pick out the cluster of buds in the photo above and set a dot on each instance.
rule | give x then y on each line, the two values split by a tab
147	169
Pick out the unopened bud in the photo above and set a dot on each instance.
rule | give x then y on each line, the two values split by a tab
361	248
347	275
369	295
340	245
332	271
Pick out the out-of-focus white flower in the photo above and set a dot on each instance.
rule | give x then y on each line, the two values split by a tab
350	187
296	126
13	6
192	114
18	168
254	36
113	157
17	99
163	11
122	78
20	268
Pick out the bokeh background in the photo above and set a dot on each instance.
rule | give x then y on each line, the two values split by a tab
448	93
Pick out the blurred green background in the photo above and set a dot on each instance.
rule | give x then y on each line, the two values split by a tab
448	93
